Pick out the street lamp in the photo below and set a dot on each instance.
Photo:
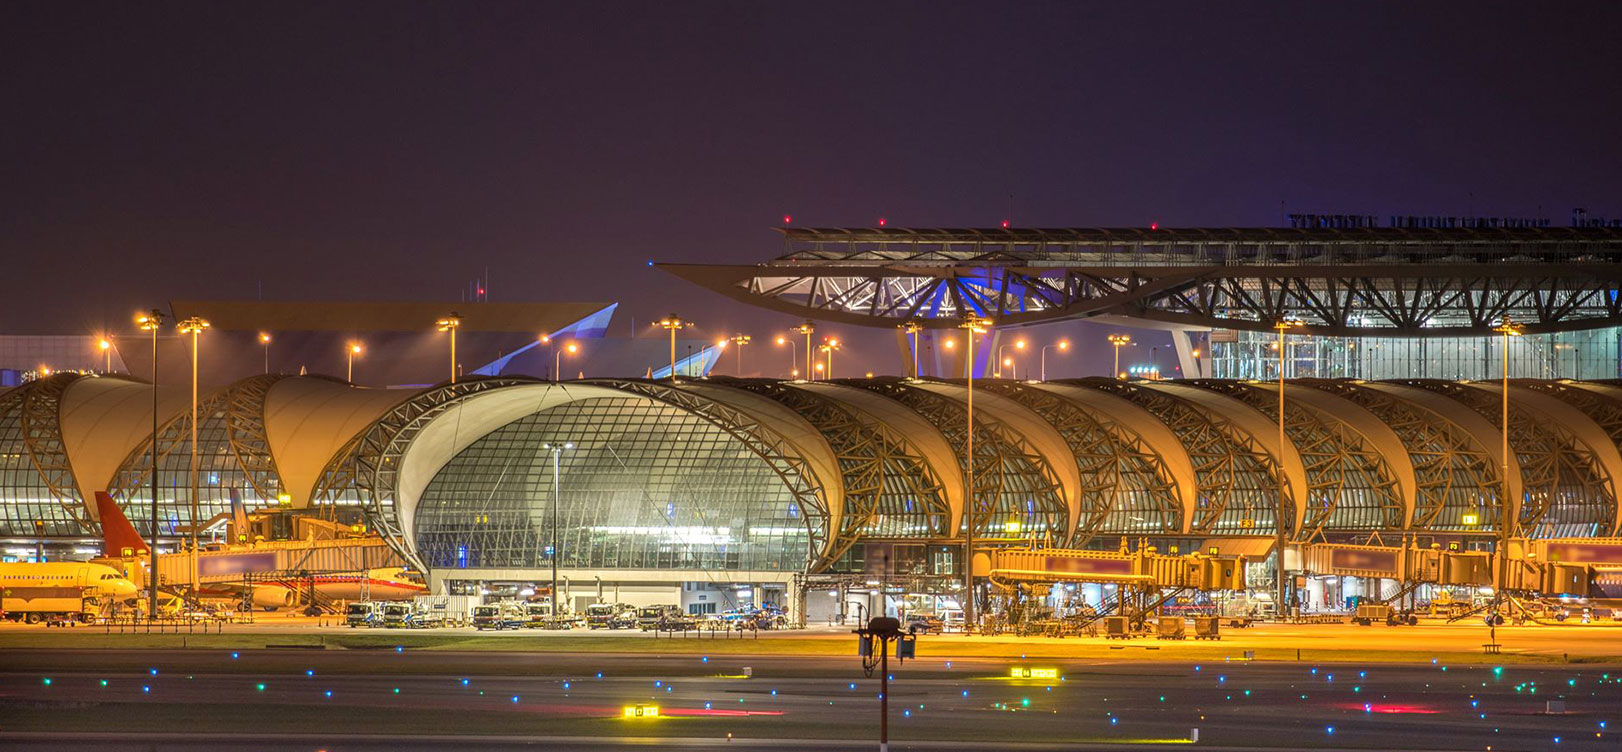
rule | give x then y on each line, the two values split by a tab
740	340
1119	341
264	342
1199	372
1282	325
673	324
829	347
912	328
450	324
557	489
193	326
807	329
1062	346
350	352
151	321
793	357
106	347
1507	521
973	325
1018	345
557	360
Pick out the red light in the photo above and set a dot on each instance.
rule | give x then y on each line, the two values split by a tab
1005	224
1154	225
881	221
787	219
481	291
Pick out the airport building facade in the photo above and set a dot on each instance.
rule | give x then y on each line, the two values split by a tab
729	491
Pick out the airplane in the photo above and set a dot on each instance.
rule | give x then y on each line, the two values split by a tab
36	590
381	584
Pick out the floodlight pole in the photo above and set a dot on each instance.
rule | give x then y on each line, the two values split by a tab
151	321
557	490
1282	326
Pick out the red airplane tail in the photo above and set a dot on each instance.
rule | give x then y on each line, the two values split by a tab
117	534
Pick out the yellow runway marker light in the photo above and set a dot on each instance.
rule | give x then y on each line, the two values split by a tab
641	711
1026	672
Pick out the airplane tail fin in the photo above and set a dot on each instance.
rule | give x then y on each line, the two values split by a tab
239	513
116	531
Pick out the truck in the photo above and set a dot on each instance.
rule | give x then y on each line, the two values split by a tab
662	618
498	616
364	614
35	607
401	615
601	615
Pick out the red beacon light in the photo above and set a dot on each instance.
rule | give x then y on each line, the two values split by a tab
1005	224
787	219
1154	225
881	221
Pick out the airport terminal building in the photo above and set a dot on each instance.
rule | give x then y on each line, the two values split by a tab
734	490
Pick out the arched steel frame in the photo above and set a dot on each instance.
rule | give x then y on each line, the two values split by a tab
872	457
772	448
368	465
1338	460
41	418
1107	455
1000	455
1555	466
243	406
1603	406
1221	452
1453	472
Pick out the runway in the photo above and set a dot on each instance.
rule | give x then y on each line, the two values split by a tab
410	699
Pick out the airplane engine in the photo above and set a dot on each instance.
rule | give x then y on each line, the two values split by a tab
272	597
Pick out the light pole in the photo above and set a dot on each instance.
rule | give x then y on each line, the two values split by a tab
807	329
829	347
912	328
876	637
557	489
1282	326
264	342
1062	346
673	324
740	340
193	326
106	348
1002	361
557	360
450	324
350	352
1199	372
1118	341
973	325
151	321
1507	521
793	357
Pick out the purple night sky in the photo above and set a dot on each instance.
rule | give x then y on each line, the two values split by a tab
355	150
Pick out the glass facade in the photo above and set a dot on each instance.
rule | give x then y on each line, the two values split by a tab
645	486
219	473
28	507
1592	354
1349	485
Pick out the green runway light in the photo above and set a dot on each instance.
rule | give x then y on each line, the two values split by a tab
1025	701
103	682
260	687
47	681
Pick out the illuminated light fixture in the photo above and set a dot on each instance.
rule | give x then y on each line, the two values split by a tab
1118	341
1026	672
1470	518
673	324
640	711
450	324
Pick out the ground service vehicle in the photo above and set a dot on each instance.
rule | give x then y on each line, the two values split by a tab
35	592
924	624
649	618
539	616
600	616
364	614
400	615
498	616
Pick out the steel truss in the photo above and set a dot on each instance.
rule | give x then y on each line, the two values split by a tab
42	435
878	464
1006	467
1453	473
365	471
1350	485
1563	490
765	443
241	406
1239	480
1368	282
1114	463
